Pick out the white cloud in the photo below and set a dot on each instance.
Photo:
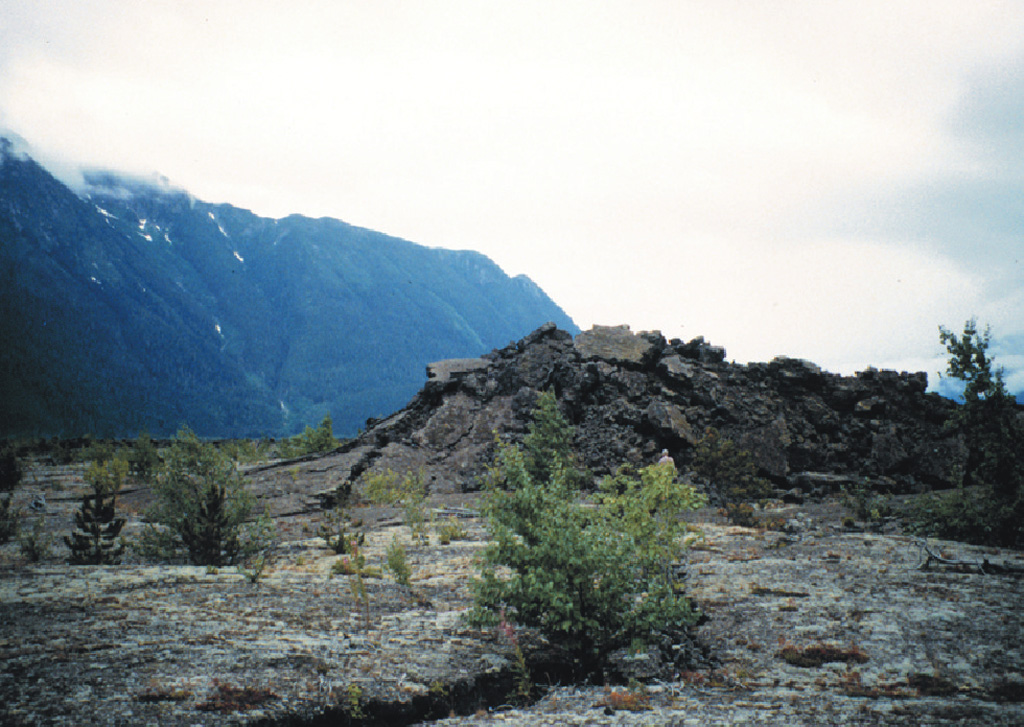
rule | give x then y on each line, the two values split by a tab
664	164
817	299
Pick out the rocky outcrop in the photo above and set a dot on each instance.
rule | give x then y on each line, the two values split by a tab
176	646
629	395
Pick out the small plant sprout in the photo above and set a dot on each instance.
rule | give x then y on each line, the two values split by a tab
354	566
254	573
335	531
523	682
35	545
398	564
410	491
355	701
449	530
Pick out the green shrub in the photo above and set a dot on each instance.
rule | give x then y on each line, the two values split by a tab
409	491
10	469
10	520
382	488
354	566
865	503
548	445
449	530
719	462
335	531
591	578
311	441
244	451
742	514
649	507
988	417
143	458
10	477
202	508
414	513
35	545
967	514
390	488
96	450
61	451
397	562
95	538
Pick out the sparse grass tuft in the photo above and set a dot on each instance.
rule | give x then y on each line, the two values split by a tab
631	700
157	693
817	654
398	564
931	685
450	530
227	698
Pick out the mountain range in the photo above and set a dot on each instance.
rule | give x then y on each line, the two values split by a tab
129	305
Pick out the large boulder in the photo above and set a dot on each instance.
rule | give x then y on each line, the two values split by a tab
618	346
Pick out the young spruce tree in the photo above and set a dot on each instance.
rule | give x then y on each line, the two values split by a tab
202	508
94	541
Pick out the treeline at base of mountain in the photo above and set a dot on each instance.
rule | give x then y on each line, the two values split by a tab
986	504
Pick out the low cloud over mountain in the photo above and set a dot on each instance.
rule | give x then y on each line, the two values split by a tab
132	305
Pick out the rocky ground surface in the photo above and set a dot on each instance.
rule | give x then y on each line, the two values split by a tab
817	625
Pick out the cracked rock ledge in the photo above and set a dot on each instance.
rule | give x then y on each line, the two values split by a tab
182	645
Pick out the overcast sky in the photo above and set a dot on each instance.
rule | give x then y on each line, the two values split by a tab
825	180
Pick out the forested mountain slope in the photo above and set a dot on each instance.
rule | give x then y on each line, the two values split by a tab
134	306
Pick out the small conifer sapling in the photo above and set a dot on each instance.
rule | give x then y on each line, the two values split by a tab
94	541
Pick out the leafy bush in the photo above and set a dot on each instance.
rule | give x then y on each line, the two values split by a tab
449	530
334	531
988	417
202	508
311	441
10	519
397	562
742	514
988	505
970	515
548	446
649	508
719	462
95	539
61	451
865	503
10	476
246	450
96	450
35	545
10	469
590	578
355	567
409	491
143	458
390	488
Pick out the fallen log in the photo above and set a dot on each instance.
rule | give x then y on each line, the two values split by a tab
983	566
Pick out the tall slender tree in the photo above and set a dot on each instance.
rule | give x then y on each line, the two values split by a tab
992	427
988	417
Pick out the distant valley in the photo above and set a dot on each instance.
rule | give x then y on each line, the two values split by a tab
132	306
